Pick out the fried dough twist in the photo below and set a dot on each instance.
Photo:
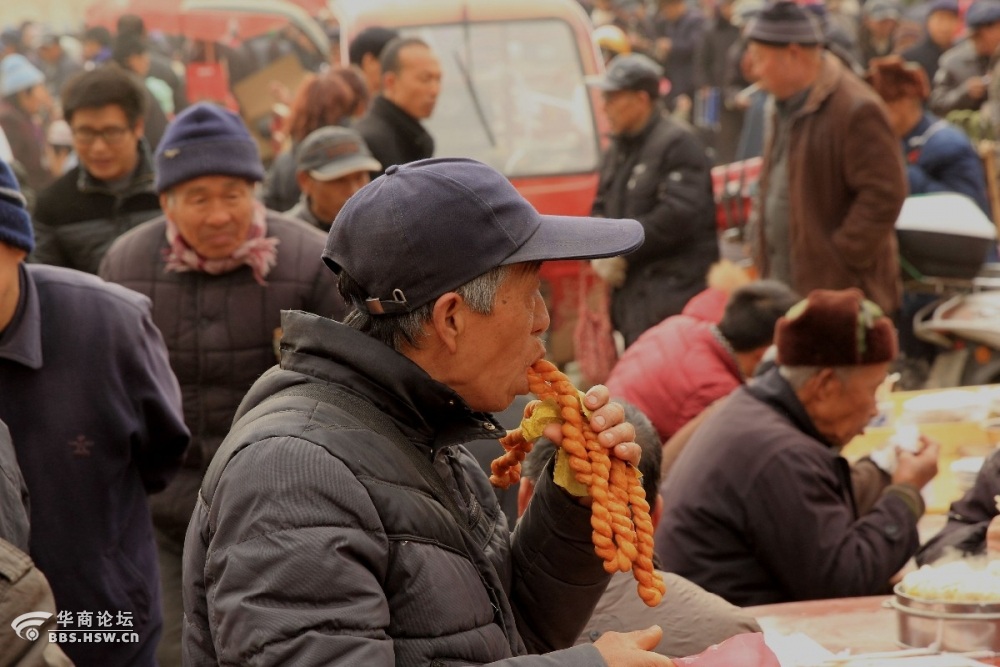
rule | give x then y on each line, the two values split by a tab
622	528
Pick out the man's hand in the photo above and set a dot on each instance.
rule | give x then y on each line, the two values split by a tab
632	649
976	87
993	537
608	421
920	468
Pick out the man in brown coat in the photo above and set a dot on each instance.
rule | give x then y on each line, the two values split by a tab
833	180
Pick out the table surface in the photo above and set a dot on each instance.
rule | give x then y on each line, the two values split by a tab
958	439
861	625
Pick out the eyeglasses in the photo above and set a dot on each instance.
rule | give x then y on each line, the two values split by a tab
111	135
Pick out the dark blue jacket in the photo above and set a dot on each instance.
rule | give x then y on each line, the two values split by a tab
95	414
940	158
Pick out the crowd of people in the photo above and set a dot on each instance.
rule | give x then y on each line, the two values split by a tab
235	398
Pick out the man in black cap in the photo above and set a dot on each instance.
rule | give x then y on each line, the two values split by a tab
341	522
961	80
833	180
655	171
940	27
332	163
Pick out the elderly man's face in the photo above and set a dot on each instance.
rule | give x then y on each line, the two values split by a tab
496	350
212	213
843	403
326	198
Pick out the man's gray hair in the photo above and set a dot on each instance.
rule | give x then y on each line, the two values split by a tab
798	376
398	331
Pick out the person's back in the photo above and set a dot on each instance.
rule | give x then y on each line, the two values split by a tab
111	189
682	365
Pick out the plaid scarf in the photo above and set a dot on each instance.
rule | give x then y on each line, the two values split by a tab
258	252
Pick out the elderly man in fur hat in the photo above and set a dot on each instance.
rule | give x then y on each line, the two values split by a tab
760	507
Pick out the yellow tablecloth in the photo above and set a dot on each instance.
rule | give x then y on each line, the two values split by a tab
958	439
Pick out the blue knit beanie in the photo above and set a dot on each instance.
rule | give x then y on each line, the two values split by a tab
17	74
15	224
206	140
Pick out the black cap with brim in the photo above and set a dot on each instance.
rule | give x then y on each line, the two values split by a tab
426	228
345	166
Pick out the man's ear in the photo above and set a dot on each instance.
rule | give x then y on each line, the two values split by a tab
820	386
657	513
388	84
302	178
449	319
140	127
164	201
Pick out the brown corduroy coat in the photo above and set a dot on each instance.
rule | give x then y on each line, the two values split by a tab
847	182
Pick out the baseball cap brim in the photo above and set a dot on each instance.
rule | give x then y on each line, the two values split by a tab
603	83
341	168
568	237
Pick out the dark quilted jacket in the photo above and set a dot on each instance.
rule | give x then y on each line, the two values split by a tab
220	331
319	542
77	218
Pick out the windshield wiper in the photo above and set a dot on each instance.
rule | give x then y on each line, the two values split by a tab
465	69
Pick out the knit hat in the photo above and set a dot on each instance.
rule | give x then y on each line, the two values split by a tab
982	13
206	140
942	6
835	328
879	10
894	79
15	224
784	22
17	74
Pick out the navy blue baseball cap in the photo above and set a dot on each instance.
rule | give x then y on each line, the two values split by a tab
982	13
426	228
630	71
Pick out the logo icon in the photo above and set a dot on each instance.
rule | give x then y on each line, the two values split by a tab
26	625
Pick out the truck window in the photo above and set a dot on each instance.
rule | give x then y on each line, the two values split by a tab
513	96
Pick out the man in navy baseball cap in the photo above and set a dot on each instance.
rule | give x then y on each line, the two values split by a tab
351	450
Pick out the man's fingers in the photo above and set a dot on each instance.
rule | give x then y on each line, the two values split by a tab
648	639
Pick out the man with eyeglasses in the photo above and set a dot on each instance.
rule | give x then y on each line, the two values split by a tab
111	190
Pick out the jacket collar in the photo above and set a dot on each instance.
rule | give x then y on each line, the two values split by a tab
771	388
303	211
426	411
383	107
830	74
141	182
21	342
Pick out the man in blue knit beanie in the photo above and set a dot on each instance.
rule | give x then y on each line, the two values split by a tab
219	268
94	413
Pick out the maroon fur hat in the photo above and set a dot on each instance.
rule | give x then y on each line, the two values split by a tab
893	78
835	328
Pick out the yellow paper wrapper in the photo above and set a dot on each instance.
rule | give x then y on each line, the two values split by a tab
547	412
